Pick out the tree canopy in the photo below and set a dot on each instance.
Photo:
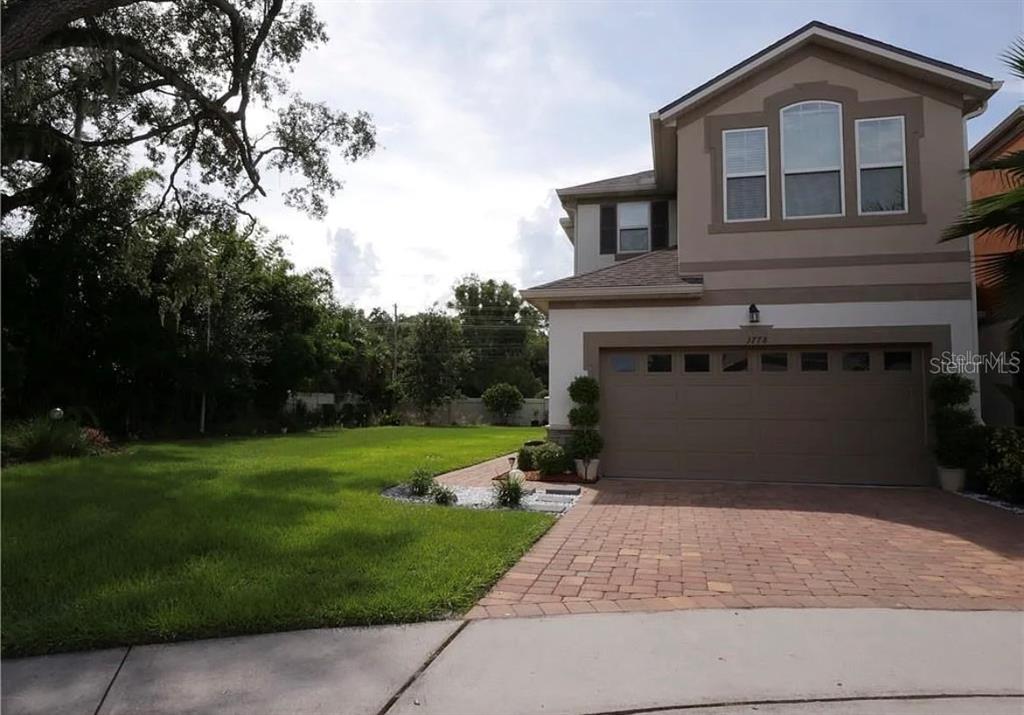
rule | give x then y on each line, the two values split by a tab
201	85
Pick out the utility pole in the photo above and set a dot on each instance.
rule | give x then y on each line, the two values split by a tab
394	347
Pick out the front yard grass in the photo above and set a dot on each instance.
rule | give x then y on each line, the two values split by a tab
209	538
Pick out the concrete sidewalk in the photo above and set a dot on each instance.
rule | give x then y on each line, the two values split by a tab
713	662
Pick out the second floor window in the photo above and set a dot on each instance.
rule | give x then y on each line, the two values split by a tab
634	227
812	160
881	165
746	174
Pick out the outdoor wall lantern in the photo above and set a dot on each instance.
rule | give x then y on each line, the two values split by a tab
754	314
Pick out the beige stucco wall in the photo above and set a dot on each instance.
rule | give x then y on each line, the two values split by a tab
587	254
941	150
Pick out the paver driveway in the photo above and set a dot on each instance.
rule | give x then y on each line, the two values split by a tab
658	545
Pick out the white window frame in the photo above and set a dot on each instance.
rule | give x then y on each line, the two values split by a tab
815	170
618	232
887	165
746	174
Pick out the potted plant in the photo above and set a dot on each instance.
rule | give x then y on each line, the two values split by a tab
584	445
585	442
957	432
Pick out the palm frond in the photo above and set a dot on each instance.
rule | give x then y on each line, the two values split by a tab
1003	274
1013	57
1011	165
1001	213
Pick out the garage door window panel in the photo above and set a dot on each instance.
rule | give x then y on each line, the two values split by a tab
697	362
898	360
734	361
857	361
774	362
816	361
659	362
623	363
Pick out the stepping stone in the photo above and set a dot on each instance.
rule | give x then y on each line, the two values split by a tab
547	507
568	489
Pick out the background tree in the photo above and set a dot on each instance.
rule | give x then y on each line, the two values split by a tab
503	400
433	360
185	80
503	334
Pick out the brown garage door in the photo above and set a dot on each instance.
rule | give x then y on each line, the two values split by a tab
847	414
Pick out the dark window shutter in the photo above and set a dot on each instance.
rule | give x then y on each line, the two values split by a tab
659	225
609	229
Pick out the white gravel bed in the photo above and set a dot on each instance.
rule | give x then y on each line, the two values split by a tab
994	501
534	499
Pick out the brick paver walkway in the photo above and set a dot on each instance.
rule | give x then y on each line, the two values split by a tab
477	475
656	545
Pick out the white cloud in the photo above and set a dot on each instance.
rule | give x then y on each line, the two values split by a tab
353	267
471	116
546	253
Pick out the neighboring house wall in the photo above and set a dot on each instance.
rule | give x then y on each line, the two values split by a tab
587	246
993	337
569	326
311	401
471	411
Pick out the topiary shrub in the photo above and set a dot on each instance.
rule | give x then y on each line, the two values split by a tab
421	482
443	496
585	444
584	416
584	390
959	440
503	400
508	492
550	459
950	390
1003	468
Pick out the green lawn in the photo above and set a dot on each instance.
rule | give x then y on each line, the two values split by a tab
192	539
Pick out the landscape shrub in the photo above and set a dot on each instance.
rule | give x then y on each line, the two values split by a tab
390	419
525	460
96	440
508	492
42	438
502	400
1003	470
585	444
443	496
421	482
584	390
550	459
584	416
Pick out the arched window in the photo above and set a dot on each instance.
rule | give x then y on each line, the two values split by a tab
812	159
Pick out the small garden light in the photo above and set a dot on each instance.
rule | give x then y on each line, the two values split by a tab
754	314
56	414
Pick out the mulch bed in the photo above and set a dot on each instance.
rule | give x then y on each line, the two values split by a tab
535	476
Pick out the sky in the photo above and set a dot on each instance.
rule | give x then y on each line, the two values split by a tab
482	110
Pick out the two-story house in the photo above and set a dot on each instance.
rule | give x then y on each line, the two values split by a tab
764	303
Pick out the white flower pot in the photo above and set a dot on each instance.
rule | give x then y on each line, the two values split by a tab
952	479
587	473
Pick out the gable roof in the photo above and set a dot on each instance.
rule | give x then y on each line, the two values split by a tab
637	182
1000	135
980	85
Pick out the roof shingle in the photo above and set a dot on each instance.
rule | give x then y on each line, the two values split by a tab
657	268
